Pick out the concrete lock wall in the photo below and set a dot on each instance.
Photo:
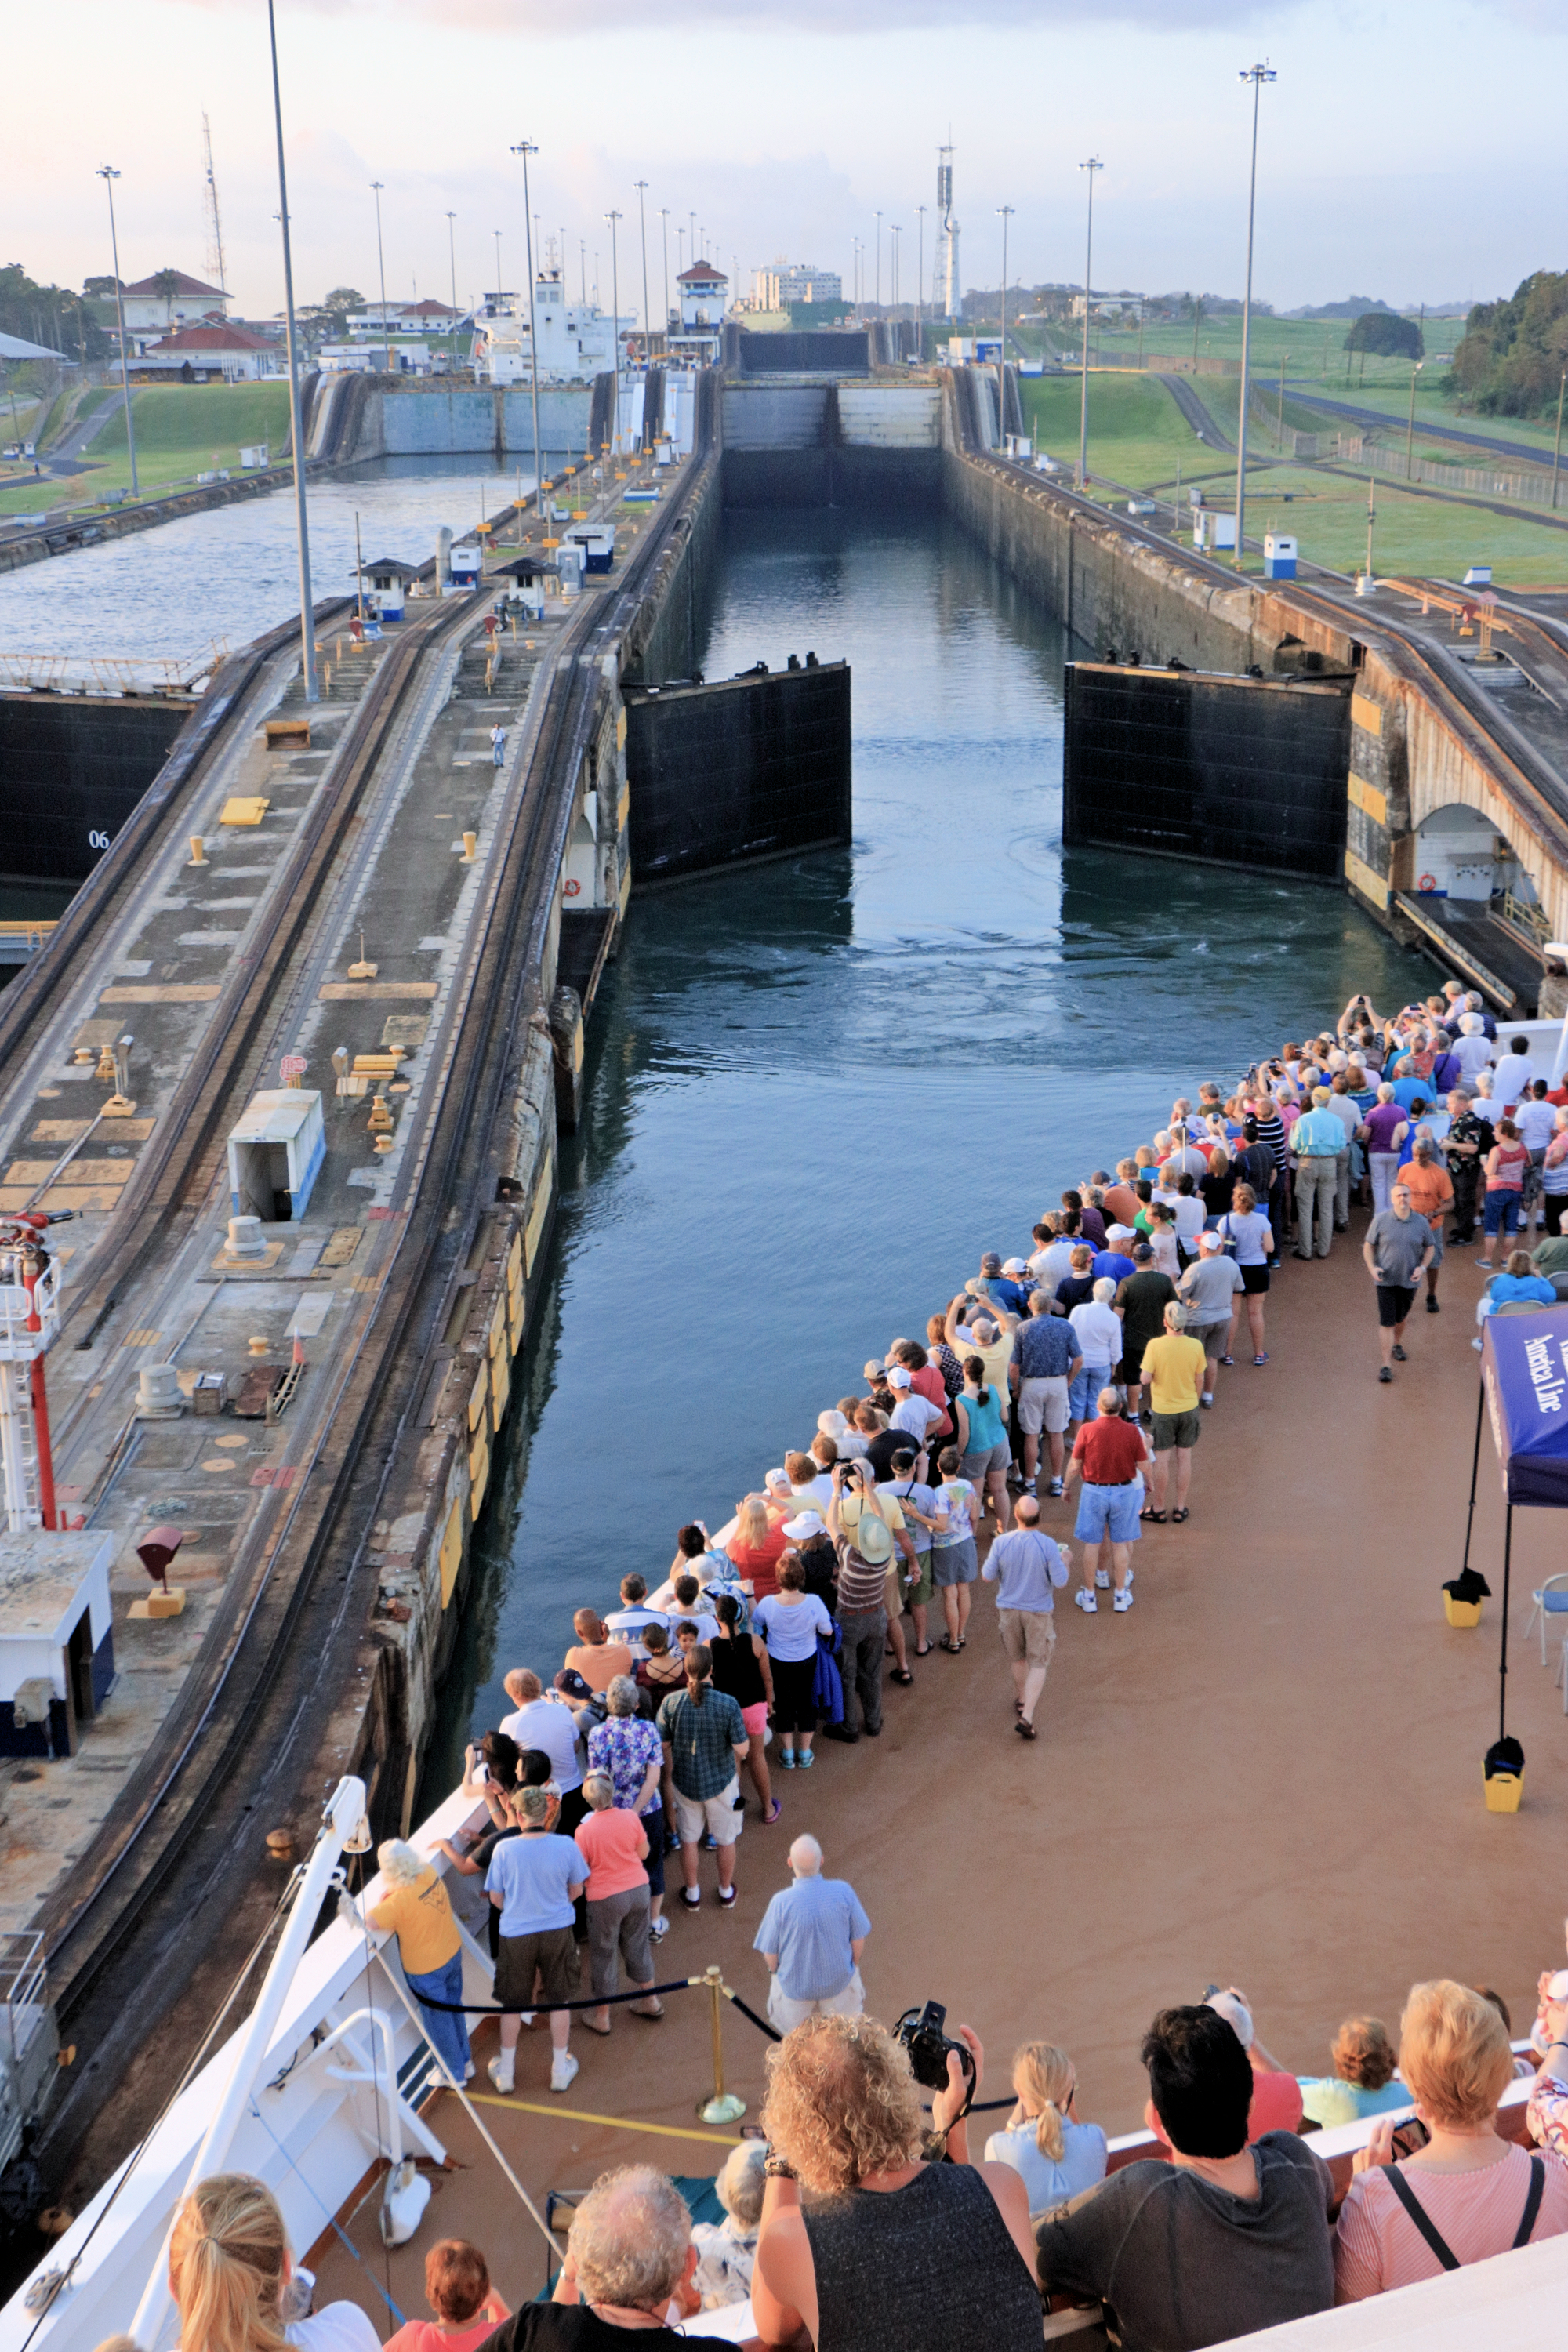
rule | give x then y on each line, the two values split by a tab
72	770
451	420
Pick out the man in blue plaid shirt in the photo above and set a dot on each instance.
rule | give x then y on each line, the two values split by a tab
705	1736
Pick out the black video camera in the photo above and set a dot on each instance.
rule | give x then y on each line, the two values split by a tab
922	2036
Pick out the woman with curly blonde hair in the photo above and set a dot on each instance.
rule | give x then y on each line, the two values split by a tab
233	2280
867	2243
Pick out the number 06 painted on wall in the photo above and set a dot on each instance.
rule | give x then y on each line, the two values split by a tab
97	841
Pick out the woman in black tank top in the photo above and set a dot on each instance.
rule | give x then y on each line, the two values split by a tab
740	1667
870	2245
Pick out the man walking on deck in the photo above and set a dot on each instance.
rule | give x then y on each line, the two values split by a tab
1397	1251
1028	1565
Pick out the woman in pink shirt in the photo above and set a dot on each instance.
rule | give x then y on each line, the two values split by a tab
1469	2193
614	1848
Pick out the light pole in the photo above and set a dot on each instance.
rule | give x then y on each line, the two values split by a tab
664	215
525	148
919	285
1004	213
895	232
496	234
452	257
679	256
642	222
296	434
1092	167
381	264
614	338
109	174
1410	422
1257	76
1557	445
879	262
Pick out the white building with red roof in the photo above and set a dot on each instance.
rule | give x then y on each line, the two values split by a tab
704	291
169	300
210	352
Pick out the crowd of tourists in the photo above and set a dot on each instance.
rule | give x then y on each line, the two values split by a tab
862	2221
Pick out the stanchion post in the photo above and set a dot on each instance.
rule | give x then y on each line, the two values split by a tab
725	2107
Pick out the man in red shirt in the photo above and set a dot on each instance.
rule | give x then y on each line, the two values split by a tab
1109	1453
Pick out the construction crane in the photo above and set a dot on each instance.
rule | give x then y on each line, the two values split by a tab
30	1322
215	262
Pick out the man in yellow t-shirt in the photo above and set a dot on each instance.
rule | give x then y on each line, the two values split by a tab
1174	1367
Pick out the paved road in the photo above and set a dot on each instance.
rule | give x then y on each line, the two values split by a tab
1197	416
1390	423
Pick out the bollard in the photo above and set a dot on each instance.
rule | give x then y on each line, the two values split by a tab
725	2107
198	856
471	848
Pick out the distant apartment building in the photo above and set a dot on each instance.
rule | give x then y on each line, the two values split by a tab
169	300
795	281
424	318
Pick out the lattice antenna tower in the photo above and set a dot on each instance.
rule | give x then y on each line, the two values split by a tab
946	290
214	217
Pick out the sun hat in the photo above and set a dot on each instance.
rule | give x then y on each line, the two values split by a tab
872	1538
802	1528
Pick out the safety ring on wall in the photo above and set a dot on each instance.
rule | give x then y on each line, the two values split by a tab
572	890
1427	882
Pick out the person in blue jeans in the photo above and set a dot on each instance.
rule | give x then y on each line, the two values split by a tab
415	1906
1110	1452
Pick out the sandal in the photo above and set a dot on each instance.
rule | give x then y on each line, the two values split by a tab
771	1816
925	1649
1026	1730
903	1675
586	2021
1157	1517
950	1646
1177	1516
652	2007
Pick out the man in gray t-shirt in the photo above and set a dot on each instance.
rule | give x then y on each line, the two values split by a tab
1222	2241
1209	1290
1397	1250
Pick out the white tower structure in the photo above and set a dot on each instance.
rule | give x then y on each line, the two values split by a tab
29	1320
945	293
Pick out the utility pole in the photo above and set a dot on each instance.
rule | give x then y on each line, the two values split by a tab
1092	165
381	264
296	427
920	286
1279	422
525	148
1371	518
895	232
1410	426
1197	314
614	337
109	174
1557	445
452	257
1257	76
879	262
664	215
1004	213
647	317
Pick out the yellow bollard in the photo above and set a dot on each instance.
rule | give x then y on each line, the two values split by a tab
198	856
471	848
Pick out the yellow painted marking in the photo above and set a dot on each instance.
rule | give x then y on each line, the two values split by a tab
1368	797
341	1246
349	992
99	1198
81	1171
65	1131
1366	714
143	1338
241	810
538	1212
477	1396
1371	885
500	1385
231	1442
174	993
451	1553
480	1477
497	1325
614	2123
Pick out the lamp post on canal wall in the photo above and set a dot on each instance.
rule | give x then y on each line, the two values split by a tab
525	149
108	174
381	266
296	427
1257	76
1091	166
1006	213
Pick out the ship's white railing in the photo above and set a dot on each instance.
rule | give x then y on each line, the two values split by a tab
18	1344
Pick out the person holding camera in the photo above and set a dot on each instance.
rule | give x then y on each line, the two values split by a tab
878	2236
863	1536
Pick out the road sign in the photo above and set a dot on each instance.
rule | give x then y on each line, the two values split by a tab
292	1068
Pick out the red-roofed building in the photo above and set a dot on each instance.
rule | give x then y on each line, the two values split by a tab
170	300
208	352
704	290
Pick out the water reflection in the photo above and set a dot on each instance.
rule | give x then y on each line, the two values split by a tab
818	1089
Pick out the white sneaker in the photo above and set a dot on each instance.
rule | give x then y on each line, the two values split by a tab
469	2072
1123	1602
562	2070
1086	1602
502	2077
659	1929
1057	1489
1102	1579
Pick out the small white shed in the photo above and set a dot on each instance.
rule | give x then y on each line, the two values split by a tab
56	1640
275	1154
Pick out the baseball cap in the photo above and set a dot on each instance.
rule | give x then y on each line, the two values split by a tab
570	1684
873	1368
1015	1266
1141	1250
899	1377
990	1263
1210	1242
777	1481
1236	2013
802	1529
1121	1232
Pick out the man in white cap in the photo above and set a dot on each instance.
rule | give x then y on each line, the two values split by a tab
1209	1290
912	1413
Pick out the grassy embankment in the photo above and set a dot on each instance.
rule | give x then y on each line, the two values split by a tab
1138	437
181	430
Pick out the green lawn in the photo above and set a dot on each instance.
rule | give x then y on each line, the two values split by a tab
181	430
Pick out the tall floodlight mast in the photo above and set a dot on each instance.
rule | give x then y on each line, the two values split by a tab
946	290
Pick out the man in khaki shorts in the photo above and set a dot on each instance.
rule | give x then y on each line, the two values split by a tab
1025	1566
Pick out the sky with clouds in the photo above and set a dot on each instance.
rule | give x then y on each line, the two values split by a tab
1410	149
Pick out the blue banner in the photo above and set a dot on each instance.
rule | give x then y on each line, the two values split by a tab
1525	1367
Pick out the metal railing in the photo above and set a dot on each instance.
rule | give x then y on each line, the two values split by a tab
111	673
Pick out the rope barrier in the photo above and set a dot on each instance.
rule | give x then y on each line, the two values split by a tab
610	2000
760	2023
616	2123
